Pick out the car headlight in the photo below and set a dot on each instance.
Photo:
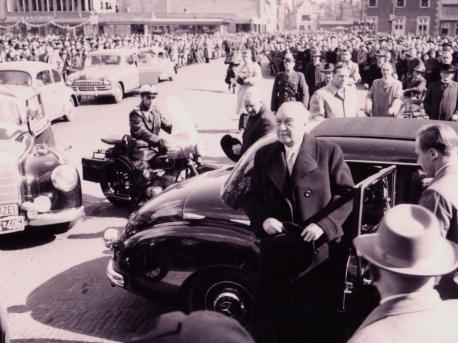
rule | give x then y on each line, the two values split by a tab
106	82
64	178
69	81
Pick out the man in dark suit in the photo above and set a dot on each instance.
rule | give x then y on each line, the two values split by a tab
441	100
312	71
298	179
289	86
437	150
259	122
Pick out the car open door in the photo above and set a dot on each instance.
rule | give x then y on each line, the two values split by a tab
372	197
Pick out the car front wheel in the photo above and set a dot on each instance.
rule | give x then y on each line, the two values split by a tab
229	292
70	110
118	94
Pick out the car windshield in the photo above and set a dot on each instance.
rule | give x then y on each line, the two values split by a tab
15	78
103	60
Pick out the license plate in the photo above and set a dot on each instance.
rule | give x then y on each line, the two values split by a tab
9	210
11	224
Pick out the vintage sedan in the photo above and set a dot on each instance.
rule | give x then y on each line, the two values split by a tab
39	188
159	59
113	73
58	99
187	240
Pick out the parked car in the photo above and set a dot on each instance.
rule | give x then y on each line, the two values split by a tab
162	61
38	186
189	241
113	72
57	98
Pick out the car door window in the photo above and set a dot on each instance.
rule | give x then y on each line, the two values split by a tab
56	76
143	59
44	78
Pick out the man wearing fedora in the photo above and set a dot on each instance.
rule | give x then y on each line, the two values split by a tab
441	100
327	70
289	85
405	256
415	85
297	180
437	150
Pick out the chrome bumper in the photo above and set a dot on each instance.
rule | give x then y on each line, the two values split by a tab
101	92
115	278
57	217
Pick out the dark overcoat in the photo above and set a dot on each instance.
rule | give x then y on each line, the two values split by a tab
319	179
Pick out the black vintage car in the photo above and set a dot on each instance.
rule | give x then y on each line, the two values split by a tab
188	241
39	188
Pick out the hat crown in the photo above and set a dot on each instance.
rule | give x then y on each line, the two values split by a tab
408	234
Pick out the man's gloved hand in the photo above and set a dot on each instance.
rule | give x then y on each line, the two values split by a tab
163	146
236	149
272	226
455	117
312	232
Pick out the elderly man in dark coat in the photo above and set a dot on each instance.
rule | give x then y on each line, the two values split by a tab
297	179
441	100
289	86
259	122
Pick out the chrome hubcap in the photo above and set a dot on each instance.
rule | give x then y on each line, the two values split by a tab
228	298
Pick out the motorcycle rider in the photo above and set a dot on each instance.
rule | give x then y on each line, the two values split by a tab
146	122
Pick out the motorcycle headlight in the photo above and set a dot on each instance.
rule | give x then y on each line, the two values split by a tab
64	178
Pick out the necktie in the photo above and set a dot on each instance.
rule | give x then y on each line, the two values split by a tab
290	161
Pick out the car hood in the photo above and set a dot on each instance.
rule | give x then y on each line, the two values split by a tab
95	73
195	199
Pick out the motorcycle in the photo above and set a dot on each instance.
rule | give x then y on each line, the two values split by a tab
126	179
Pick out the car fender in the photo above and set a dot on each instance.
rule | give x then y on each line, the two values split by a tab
193	247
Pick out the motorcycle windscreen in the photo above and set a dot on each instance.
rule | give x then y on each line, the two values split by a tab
184	137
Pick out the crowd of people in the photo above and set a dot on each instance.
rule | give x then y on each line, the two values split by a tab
318	76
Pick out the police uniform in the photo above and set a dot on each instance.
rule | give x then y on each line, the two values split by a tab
145	125
289	87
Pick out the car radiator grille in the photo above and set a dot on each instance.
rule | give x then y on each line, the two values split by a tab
9	185
85	85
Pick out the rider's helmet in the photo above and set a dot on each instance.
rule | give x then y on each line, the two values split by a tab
148	89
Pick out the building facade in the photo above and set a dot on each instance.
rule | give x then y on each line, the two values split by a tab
449	17
400	17
140	16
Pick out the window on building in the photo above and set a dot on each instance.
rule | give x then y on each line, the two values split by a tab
424	3
34	5
400	3
305	18
456	29
51	5
445	30
301	27
422	26
58	5
371	3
